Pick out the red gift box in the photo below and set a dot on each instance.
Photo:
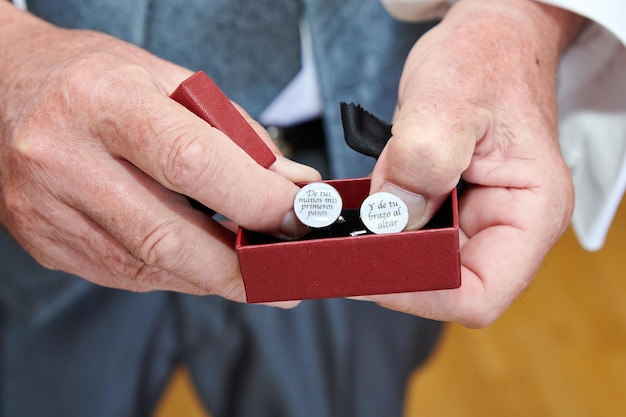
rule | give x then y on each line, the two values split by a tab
335	266
421	260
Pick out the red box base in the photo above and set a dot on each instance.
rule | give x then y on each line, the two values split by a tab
409	261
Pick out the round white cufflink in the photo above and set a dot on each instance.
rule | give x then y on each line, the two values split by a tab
384	213
318	205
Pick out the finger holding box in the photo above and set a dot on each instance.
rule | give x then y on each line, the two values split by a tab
477	102
96	161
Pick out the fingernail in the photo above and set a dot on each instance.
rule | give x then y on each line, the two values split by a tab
283	304
291	228
415	203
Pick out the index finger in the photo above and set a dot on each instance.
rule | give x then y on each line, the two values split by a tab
186	155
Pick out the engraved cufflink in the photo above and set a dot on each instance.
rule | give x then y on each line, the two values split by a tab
318	205
384	213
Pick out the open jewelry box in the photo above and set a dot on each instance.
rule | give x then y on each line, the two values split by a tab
332	263
343	266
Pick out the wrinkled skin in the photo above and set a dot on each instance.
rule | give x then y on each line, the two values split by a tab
477	101
95	160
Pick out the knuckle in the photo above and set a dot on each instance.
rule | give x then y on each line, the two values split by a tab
161	252
82	82
480	311
479	319
115	266
147	278
91	85
159	244
27	151
14	201
417	159
186	159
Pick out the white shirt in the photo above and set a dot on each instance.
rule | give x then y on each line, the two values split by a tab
592	116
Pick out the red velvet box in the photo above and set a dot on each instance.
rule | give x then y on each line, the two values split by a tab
409	261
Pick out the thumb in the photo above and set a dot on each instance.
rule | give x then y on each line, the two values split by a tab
424	159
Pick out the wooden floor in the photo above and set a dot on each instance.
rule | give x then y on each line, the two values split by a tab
560	350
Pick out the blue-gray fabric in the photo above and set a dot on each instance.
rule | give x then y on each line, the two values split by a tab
70	348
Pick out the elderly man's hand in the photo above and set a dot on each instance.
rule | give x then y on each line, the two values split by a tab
477	102
96	161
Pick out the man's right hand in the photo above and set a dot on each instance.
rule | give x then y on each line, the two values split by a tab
96	161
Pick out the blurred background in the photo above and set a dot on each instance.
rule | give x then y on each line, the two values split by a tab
559	351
